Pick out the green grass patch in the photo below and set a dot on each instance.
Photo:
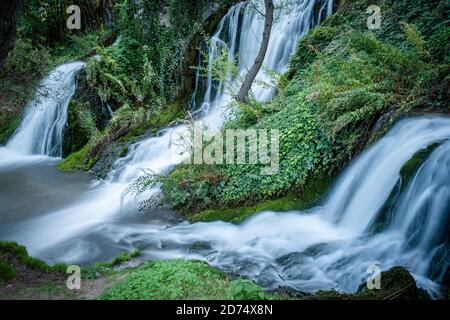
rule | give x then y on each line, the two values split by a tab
183	280
107	268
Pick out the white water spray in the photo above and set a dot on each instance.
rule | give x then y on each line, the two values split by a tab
331	246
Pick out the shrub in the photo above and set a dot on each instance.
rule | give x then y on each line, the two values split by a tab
7	271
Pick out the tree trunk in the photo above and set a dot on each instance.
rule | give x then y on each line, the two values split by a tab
8	17
253	72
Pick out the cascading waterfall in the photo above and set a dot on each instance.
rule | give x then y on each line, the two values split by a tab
239	30
41	130
331	246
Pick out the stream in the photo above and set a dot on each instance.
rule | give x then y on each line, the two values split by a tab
76	218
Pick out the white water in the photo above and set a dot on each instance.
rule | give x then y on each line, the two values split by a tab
45	117
239	30
327	247
333	245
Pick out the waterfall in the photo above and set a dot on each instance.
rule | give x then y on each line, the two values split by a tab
40	132
239	30
332	245
329	246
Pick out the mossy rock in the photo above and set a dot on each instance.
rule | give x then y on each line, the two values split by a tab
396	284
412	165
79	160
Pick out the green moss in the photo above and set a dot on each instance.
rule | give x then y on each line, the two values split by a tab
311	193
124	152
411	166
237	215
169	113
125	257
78	161
75	136
107	268
182	280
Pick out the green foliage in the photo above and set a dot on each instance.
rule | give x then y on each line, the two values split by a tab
125	257
304	151
145	67
182	280
357	81
246	290
19	80
20	253
107	268
413	164
45	21
7	271
342	79
415	38
169	113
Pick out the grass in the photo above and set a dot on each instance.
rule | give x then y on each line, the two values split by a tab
183	280
20	252
106	268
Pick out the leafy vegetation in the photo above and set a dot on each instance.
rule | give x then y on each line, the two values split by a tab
146	73
182	280
7	271
78	160
44	41
24	68
19	252
107	268
345	87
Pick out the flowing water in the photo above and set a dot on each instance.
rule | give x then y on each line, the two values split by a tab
329	246
45	118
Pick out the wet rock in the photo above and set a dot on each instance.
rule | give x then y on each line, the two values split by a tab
200	246
396	284
108	158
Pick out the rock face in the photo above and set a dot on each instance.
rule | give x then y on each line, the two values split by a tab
8	17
